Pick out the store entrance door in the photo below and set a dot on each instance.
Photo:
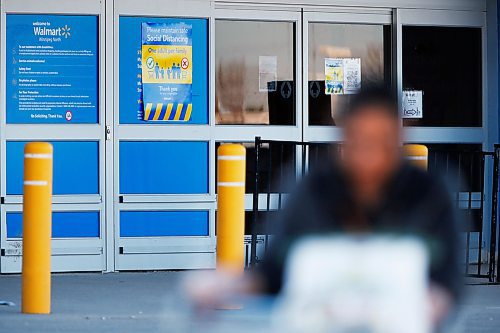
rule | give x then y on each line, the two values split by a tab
441	57
52	92
163	193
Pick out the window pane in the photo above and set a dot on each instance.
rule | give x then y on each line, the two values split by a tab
444	63
369	43
255	72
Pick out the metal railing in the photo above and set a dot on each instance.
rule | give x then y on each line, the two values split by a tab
476	196
473	176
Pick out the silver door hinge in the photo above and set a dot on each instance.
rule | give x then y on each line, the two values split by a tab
108	132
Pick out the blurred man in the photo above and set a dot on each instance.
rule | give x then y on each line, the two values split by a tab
370	189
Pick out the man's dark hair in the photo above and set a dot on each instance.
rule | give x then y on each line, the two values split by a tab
376	98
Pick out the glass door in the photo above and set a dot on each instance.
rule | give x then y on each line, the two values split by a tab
342	52
257	93
441	59
52	90
163	193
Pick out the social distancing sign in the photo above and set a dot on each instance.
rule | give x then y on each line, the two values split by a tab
167	71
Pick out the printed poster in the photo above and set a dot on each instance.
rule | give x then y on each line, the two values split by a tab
412	104
342	76
268	73
52	71
167	71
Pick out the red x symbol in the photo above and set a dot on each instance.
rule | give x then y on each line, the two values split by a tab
184	63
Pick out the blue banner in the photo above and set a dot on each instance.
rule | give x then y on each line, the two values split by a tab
167	71
52	69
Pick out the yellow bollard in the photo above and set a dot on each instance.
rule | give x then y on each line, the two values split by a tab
37	228
231	208
417	155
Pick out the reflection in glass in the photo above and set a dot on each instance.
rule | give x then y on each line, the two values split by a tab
370	43
446	64
255	76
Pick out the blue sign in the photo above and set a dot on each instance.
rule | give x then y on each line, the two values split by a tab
52	69
167	71
132	109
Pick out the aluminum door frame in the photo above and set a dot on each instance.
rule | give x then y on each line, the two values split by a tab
439	18
247	133
170	252
69	254
334	16
486	134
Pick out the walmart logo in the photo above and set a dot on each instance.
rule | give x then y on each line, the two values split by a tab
66	31
44	31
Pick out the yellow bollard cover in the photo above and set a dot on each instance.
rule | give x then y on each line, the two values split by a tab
231	207
37	228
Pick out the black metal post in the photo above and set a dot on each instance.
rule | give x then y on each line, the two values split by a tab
481	212
494	204
253	243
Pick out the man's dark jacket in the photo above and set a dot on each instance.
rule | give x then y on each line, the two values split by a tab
413	203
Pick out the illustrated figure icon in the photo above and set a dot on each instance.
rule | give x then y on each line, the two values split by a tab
174	71
177	72
157	71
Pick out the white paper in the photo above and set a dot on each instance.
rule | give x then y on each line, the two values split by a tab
412	104
342	76
344	284
268	73
352	75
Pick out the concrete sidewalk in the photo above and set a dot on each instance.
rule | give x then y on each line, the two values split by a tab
153	302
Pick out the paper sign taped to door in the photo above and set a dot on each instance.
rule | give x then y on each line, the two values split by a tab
342	76
268	73
412	104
